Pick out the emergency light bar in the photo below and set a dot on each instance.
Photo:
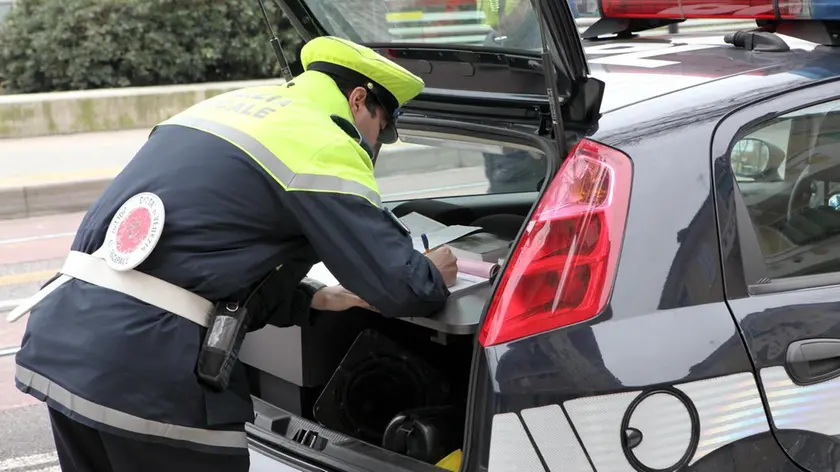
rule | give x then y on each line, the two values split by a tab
720	9
810	20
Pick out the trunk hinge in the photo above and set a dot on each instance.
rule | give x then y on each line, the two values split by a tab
546	124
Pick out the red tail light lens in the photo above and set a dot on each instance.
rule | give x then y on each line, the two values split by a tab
562	270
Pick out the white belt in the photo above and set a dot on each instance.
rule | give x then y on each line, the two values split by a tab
93	269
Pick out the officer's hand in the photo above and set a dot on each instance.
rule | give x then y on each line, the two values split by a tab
446	263
337	298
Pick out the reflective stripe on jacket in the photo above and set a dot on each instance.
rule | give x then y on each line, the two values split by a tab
293	122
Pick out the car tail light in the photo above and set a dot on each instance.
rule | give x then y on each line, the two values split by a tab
718	9
562	269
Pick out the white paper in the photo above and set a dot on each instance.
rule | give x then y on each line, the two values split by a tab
464	281
443	236
437	233
320	273
417	223
461	254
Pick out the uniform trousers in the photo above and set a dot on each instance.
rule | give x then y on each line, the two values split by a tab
84	449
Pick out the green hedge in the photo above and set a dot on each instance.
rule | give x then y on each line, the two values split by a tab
53	45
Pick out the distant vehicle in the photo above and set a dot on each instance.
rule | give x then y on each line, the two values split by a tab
669	300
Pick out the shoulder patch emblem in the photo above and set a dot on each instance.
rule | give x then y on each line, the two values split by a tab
134	231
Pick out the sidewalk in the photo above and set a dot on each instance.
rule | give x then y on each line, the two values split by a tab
59	159
61	174
74	157
65	173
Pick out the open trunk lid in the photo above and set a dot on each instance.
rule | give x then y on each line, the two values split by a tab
480	59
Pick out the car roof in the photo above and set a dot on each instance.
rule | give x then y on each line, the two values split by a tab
639	69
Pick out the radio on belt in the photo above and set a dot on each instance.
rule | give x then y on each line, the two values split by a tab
228	326
220	350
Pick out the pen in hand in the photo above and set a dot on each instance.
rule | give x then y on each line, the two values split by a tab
443	259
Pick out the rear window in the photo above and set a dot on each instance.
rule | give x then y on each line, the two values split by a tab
509	24
420	167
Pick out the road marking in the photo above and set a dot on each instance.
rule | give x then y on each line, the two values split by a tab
36	238
27	277
30	461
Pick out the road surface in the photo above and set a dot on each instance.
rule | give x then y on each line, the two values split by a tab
30	252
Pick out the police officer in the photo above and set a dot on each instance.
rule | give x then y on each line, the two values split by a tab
514	25
231	201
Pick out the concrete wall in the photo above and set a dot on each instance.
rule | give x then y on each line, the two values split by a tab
43	114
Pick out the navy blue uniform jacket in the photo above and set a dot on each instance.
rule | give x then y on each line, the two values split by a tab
118	364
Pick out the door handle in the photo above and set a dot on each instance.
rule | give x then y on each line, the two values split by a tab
812	361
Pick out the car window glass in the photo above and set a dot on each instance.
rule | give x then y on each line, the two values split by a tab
508	24
425	167
788	173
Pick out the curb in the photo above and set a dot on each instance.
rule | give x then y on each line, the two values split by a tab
77	195
50	199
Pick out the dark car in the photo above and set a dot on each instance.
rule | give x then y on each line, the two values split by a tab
669	294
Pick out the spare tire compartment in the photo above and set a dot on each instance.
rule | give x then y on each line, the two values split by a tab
370	382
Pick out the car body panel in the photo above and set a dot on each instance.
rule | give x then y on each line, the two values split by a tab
641	69
668	326
648	336
805	416
261	462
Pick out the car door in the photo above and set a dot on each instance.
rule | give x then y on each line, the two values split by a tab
777	166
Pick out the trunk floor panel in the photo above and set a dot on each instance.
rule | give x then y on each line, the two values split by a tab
274	425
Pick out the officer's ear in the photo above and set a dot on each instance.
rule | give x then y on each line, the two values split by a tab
357	99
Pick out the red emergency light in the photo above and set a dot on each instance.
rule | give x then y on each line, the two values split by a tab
719	9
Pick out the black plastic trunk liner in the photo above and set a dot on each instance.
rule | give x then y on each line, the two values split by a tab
282	429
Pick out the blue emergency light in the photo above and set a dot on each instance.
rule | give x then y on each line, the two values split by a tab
720	9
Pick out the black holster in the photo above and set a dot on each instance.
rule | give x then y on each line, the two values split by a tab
220	349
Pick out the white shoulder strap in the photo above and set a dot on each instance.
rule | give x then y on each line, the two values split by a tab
30	302
94	270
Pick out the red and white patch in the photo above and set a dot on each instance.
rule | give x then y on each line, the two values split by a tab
134	232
